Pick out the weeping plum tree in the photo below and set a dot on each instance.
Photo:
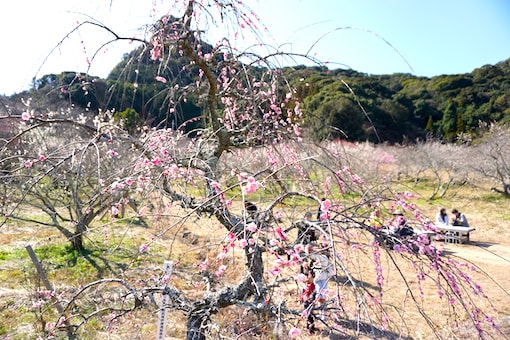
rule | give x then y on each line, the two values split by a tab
249	176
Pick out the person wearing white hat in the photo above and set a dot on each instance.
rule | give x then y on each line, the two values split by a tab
401	228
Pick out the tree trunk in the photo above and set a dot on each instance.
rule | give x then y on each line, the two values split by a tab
252	285
195	322
77	238
505	192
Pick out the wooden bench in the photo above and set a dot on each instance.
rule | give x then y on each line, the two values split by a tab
456	234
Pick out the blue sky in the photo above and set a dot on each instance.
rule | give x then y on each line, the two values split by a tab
424	38
434	36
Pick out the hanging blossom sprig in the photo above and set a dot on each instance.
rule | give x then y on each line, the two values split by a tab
248	183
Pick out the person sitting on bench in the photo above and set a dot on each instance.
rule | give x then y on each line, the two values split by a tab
400	224
459	219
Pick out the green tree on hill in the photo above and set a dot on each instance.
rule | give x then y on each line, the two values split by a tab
450	121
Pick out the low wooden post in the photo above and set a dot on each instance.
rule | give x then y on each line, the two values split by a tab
167	271
42	274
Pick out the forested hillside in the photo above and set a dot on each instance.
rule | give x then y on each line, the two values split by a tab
336	103
401	106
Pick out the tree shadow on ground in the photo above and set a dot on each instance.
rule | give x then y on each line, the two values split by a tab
364	329
448	252
100	263
454	250
89	257
482	244
343	280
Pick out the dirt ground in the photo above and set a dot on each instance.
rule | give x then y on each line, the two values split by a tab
492	259
488	251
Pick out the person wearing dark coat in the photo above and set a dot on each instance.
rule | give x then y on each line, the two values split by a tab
459	219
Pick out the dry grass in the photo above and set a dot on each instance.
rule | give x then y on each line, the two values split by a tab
192	241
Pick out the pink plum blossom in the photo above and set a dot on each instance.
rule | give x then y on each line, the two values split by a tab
231	239
294	332
221	270
156	161
143	248
324	208
251	227
25	116
251	185
222	255
161	79
299	248
275	271
281	234
115	210
280	262
203	265
112	153
117	185
274	242
216	186
325	205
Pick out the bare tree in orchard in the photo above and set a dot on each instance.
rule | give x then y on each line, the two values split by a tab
59	165
444	163
494	151
250	176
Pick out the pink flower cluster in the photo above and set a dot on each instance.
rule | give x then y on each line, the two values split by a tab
144	248
250	186
217	188
221	270
324	209
161	79
252	227
281	234
112	153
294	332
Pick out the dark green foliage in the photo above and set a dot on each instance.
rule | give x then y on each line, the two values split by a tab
337	118
79	88
133	84
130	118
402	107
132	91
336	103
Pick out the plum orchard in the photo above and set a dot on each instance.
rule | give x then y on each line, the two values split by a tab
250	148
